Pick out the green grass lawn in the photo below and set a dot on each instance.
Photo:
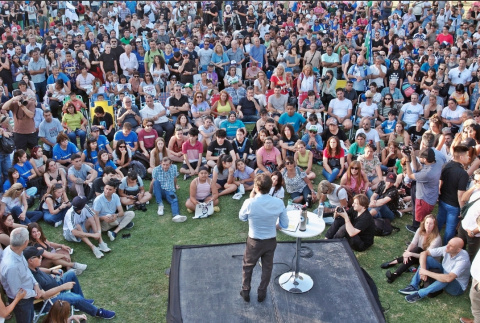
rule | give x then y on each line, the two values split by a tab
131	279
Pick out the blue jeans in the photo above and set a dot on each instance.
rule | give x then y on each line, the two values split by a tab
331	176
54	218
384	212
41	89
31	216
250	118
75	295
306	190
453	288
5	164
171	197
24	310
73	137
448	216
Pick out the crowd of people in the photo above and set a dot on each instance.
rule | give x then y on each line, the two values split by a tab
379	99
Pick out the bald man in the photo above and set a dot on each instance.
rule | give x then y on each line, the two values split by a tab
451	275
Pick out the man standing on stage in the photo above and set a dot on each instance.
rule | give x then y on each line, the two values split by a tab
262	211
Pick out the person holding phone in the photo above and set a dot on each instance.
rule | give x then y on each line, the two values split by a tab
356	224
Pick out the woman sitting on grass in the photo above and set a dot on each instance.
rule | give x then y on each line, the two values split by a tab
296	182
7	224
354	179
55	205
277	189
427	237
304	158
38	161
157	154
223	175
132	192
202	190
244	174
175	145
54	254
90	154
14	202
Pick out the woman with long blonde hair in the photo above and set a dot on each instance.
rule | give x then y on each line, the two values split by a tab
15	202
427	237
355	179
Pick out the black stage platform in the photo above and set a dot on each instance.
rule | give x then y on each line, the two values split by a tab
205	282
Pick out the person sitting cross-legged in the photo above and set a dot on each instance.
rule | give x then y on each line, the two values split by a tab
164	181
80	224
108	209
452	275
67	287
132	192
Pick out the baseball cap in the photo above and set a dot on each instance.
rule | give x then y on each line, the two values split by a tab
95	128
79	202
313	129
391	177
190	85
234	80
32	251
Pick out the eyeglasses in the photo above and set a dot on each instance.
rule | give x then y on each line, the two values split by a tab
388	99
19	189
178	90
288	163
268	143
136	76
199	96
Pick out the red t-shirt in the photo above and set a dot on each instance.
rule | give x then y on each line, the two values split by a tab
448	38
192	152
148	138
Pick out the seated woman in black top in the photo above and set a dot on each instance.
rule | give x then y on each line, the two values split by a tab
356	224
287	141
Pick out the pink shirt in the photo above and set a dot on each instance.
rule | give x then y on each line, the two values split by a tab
192	152
270	156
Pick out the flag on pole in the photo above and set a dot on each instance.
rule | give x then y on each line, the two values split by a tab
70	12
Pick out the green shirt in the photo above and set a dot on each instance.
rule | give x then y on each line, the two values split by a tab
126	41
149	56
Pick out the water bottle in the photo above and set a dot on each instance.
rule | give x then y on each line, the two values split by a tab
303	219
309	201
320	210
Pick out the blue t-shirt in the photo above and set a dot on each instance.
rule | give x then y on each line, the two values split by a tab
102	142
60	154
296	120
231	128
389	126
7	184
259	53
25	170
100	169
93	156
105	207
131	139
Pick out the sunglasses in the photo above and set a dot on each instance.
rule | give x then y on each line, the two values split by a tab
388	98
136	76
288	163
122	146
199	96
354	168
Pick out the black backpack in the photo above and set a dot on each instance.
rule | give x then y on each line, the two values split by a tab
7	145
383	227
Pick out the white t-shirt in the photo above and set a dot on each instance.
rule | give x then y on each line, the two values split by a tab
368	110
340	108
148	112
378	80
448	114
371	135
337	195
411	113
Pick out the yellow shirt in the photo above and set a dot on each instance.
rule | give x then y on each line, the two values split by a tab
223	108
74	121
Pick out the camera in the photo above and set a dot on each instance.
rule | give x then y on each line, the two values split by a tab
407	150
49	94
339	209
24	102
324	78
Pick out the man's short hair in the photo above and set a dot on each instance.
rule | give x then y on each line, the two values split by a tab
18	237
99	110
221	133
75	156
362	200
107	169
127	125
263	182
428	139
193	132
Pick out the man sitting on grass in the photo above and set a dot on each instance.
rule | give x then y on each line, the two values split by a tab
67	287
452	275
110	213
80	224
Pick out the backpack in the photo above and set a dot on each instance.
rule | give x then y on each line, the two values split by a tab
383	227
139	168
7	145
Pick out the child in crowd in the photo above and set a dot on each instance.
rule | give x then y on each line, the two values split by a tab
304	159
223	175
244	175
388	126
207	131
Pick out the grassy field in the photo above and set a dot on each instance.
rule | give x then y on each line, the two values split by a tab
131	279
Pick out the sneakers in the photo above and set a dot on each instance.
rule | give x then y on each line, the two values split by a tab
391	276
128	207
112	235
411	228
105	314
79	268
412	298
129	225
186	176
179	218
97	253
103	247
58	223
216	209
408	290
160	210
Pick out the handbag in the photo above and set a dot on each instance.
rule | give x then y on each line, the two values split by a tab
203	210
408	89
464	209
